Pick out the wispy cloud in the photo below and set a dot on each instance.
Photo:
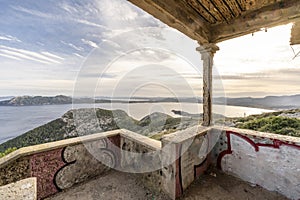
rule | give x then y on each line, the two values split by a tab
90	43
29	55
33	12
75	16
10	56
78	48
78	55
52	55
86	22
9	38
67	7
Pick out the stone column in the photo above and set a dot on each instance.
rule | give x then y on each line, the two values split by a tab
207	52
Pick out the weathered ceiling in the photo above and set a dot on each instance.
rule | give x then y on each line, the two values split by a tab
212	21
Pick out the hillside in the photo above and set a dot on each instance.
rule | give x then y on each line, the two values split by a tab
81	122
281	122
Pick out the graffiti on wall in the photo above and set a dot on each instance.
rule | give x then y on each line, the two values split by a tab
62	168
192	163
272	164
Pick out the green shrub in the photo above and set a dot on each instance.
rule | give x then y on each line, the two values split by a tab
7	151
273	124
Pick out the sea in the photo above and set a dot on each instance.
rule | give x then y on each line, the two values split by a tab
15	121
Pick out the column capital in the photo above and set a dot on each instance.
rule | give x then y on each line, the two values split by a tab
211	48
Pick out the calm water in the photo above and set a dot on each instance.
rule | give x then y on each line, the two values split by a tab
17	120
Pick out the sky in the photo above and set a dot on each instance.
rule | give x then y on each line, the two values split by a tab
112	48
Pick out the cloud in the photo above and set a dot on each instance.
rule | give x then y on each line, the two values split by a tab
263	51
90	43
75	15
78	55
244	76
67	7
122	11
33	12
81	21
77	48
29	55
100	75
52	55
9	38
10	56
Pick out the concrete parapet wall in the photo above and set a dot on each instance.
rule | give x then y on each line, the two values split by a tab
268	160
25	189
265	159
142	156
59	165
184	159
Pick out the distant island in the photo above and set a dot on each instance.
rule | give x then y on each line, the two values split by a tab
61	99
269	102
36	100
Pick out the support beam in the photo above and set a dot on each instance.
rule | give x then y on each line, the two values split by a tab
179	15
276	14
207	55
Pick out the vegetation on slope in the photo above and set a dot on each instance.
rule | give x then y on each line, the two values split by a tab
276	122
49	132
278	125
7	151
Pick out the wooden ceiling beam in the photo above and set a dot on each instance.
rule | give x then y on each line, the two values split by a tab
179	15
234	7
203	10
276	14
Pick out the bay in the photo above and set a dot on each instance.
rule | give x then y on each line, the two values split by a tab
15	121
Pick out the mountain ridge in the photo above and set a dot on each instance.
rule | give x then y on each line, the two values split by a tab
268	102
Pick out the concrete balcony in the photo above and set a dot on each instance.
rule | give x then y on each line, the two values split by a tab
119	185
197	163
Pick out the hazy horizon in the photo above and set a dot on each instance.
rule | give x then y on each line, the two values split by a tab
136	97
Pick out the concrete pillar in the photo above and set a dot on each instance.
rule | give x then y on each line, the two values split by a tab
207	52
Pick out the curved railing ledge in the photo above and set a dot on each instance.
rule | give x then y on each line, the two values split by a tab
145	141
284	138
26	151
189	133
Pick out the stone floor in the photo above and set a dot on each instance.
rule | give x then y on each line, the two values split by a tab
122	186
